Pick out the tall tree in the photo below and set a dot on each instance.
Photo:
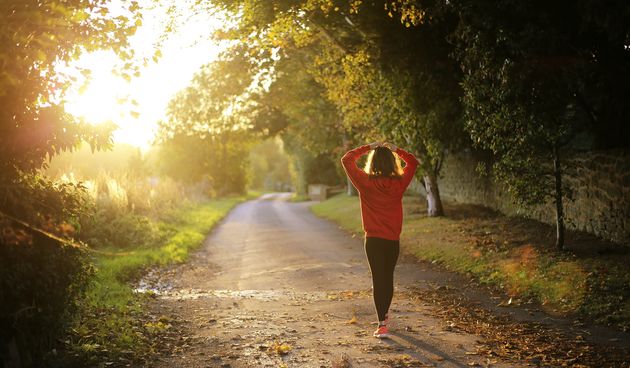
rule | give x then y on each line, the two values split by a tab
313	131
536	76
402	80
42	276
36	36
387	80
205	136
264	95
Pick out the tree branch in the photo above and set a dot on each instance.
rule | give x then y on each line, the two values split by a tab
338	45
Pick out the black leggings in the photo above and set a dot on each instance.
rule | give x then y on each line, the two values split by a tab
382	255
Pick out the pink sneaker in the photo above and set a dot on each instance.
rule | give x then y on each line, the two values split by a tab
382	332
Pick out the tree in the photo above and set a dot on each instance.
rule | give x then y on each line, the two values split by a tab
536	76
269	166
218	161
418	59
42	274
387	81
36	36
313	132
266	96
205	137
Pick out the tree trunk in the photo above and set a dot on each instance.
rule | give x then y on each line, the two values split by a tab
557	173
301	186
352	191
434	202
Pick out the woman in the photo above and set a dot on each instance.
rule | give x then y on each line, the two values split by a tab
381	186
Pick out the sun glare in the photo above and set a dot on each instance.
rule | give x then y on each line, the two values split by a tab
137	105
101	98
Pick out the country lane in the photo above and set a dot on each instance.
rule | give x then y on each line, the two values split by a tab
276	286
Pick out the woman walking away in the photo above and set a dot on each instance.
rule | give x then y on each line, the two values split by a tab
381	186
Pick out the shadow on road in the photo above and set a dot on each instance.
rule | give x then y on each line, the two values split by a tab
421	348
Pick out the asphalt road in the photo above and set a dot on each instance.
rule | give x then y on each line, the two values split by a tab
276	286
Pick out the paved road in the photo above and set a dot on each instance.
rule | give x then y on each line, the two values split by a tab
276	286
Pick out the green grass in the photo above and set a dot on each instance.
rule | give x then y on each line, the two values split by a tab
512	254
110	321
184	230
299	198
341	209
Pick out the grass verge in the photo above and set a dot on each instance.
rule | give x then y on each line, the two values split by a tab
110	325
513	254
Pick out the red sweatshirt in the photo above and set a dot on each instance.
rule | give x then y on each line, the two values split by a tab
381	198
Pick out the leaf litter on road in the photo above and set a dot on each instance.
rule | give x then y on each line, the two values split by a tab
342	361
532	342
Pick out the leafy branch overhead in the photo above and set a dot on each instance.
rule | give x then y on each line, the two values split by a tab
380	79
37	36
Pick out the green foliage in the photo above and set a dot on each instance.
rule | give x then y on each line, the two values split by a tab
119	181
400	82
313	135
310	169
119	210
49	203
534	78
248	94
41	281
312	123
37	35
379	78
533	82
518	108
216	162
269	166
42	277
205	136
113	229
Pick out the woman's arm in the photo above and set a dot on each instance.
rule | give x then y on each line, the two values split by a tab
411	164
349	161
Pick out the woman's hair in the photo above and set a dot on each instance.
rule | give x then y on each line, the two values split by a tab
382	162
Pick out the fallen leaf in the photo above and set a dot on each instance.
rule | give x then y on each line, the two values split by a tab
280	348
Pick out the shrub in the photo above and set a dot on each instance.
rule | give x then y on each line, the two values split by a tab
107	228
119	211
41	279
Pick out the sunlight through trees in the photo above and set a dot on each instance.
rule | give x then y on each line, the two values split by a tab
270	93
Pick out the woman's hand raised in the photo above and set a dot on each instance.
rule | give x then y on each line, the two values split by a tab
373	145
392	147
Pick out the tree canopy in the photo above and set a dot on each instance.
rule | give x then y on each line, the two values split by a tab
371	76
536	78
37	36
42	272
524	81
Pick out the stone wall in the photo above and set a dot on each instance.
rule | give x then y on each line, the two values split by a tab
601	197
